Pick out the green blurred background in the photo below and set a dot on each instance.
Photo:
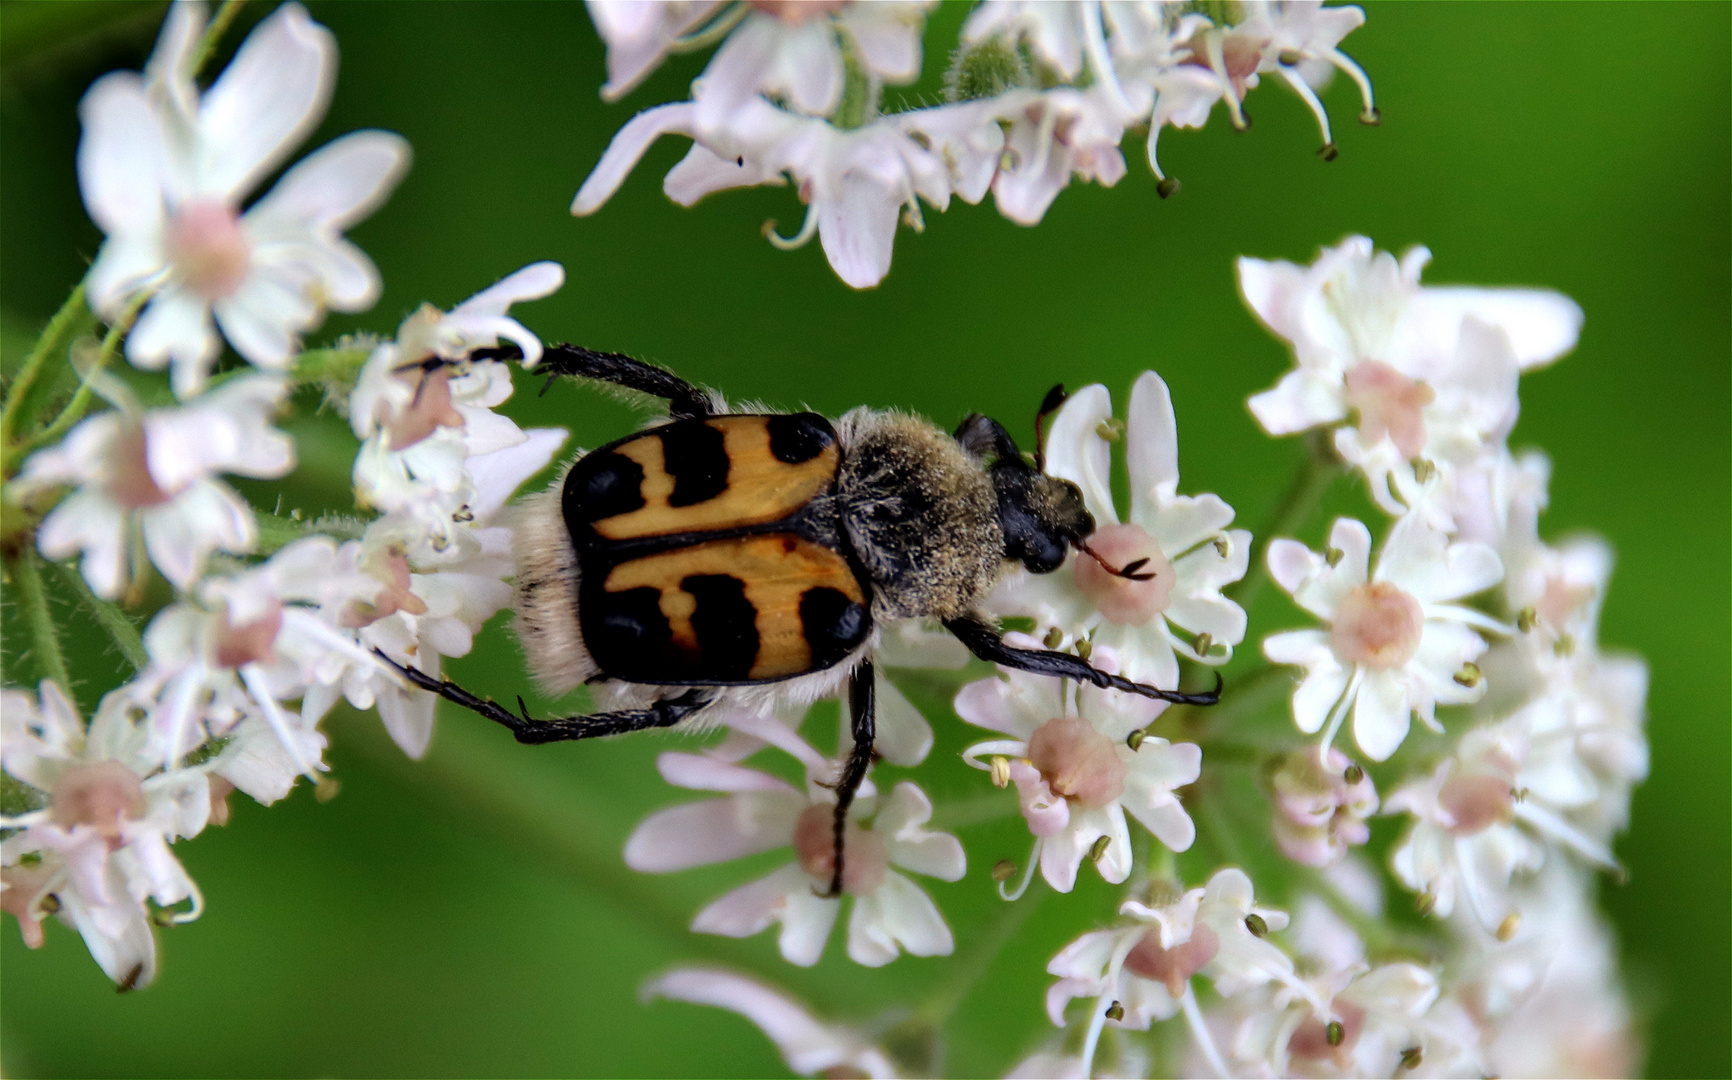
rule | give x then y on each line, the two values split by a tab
470	914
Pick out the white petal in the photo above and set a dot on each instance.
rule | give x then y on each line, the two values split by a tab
176	325
1542	325
695	834
752	907
811	68
263	320
1152	447
1179	523
1302	399
1076	452
1381	715
120	157
808	1046
498	475
530	283
408	715
857	228
271	95
90	522
910	845
896	913
628	145
337	185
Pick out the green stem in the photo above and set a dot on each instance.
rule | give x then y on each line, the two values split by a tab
52	342
75	408
1315	473
119	625
213	33
44	637
967	969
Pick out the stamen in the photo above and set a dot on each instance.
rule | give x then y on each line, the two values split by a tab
1116	1011
1027	874
1205	641
706	36
1200	1032
1054	638
1309	97
1218	64
1098	849
1412	1057
195	910
253	676
1339	713
1511	923
1256	924
808	229
1560	830
1370	116
1000	771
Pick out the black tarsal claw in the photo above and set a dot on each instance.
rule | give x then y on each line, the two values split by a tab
523	710
548	385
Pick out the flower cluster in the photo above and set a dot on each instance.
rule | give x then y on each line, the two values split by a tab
1454	610
1038	94
236	672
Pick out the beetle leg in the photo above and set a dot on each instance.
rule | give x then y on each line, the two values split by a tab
685	401
665	713
862	703
984	641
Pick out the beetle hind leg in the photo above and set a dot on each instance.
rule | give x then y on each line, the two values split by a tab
527	729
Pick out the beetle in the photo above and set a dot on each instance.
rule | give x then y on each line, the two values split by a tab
739	559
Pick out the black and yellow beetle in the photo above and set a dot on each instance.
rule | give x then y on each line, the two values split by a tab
722	559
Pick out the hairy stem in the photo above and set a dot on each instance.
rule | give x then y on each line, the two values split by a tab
120	627
213	33
26	573
75	409
1316	472
54	340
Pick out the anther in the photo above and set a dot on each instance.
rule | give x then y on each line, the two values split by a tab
1526	619
1135	739
1335	1034
463	515
1054	638
1371	117
1333	556
1003	870
1423	470
1084	648
130	981
1519	794
1424	902
1116	1011
1009	160
1205	641
1098	849
1255	923
1328	152
1469	675
326	788
1511	923
1411	1058
1167	187
162	917
50	904
1564	646
1223	546
295	514
1000	770
1111	429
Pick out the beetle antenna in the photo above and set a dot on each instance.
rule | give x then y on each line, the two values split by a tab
1132	571
1048	405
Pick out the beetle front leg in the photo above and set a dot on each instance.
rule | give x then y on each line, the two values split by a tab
862	704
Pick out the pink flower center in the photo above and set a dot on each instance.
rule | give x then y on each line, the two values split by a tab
209	249
19	898
1311	1039
1476	801
129	479
864	862
1389	403
1120	599
1077	761
249	642
795	12
430	409
100	794
1174	966
1379	626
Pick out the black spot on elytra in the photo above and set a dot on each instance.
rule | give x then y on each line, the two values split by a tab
726	625
603	485
799	437
834	624
693	454
630	633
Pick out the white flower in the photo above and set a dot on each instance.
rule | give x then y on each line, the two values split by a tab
1054	136
809	1046
420	604
151	474
1394	646
1320	809
101	844
1365	1022
1428	372
856	184
638	36
1183	540
245	644
762	813
164	172
1074	771
1146	966
426	413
